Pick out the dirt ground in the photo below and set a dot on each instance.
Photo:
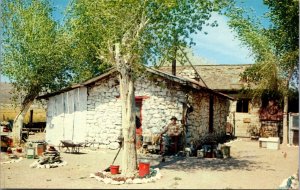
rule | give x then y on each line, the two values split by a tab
250	167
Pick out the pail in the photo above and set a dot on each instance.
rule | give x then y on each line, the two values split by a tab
9	150
209	154
19	150
30	153
226	151
144	168
114	169
40	149
200	153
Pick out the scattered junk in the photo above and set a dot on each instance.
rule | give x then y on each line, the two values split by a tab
214	151
12	155
254	132
51	159
118	179
6	140
151	143
35	149
12	158
207	148
291	182
5	127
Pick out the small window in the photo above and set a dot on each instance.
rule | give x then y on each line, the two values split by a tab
242	106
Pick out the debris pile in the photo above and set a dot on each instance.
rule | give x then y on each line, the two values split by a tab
50	159
118	179
291	182
12	158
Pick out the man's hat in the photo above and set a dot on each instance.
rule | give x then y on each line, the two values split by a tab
173	117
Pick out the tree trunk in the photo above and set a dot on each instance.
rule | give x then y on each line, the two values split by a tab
129	160
285	119
18	121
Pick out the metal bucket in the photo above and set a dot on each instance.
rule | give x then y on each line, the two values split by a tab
30	153
226	151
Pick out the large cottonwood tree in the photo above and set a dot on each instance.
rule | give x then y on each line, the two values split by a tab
275	48
131	34
32	53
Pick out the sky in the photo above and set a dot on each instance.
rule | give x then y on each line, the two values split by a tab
219	46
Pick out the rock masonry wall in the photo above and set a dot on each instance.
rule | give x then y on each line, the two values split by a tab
198	120
243	121
161	101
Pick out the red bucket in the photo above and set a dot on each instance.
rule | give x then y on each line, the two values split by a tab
114	169
144	168
40	149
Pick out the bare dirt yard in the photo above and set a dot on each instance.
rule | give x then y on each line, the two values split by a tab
249	167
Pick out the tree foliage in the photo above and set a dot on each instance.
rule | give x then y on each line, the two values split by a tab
33	55
275	48
145	30
130	34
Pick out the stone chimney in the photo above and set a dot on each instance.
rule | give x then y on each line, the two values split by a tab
174	67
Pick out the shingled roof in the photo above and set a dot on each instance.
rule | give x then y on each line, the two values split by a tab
216	77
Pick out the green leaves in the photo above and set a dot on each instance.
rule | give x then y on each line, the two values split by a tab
275	48
147	31
33	55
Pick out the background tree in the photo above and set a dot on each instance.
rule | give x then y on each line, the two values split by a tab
275	48
131	34
32	53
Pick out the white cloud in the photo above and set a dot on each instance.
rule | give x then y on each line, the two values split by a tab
220	45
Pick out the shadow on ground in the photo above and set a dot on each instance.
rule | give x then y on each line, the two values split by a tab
193	163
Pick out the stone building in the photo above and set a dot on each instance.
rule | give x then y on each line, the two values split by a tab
91	111
244	112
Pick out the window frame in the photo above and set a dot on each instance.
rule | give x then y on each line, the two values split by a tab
242	107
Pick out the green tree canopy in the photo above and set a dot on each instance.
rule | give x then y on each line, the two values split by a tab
144	29
275	49
131	34
32	52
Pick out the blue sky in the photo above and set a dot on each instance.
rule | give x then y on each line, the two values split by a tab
219	46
